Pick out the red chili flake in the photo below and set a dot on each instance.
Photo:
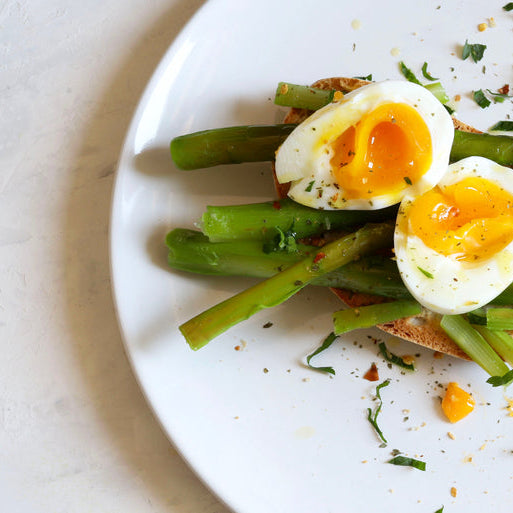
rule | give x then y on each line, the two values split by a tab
372	373
504	89
319	257
277	205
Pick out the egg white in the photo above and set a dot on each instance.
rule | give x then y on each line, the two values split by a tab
305	163
442	283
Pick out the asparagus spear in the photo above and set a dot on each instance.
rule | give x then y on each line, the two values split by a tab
230	145
302	97
191	251
234	145
260	220
277	289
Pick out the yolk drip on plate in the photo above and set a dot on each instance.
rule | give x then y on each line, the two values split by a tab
471	220
387	150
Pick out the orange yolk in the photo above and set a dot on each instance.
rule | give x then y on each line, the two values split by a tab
457	403
387	150
470	220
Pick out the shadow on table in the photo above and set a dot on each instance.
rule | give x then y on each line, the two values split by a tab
114	391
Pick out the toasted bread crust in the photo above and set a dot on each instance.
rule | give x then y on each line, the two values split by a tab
422	329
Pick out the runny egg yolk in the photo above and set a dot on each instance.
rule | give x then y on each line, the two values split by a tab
387	150
470	220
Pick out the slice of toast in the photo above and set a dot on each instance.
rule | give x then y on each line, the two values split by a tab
422	329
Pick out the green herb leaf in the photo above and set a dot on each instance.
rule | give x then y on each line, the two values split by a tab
282	241
508	6
373	418
498	97
408	73
327	343
481	99
440	510
425	73
309	186
427	274
476	51
368	77
392	358
502	126
407	179
408	462
497	381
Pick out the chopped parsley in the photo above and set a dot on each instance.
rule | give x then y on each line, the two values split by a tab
475	51
481	99
408	462
309	186
497	381
392	358
407	179
425	73
427	274
508	6
327	343
368	77
282	241
408	73
441	510
502	126
373	417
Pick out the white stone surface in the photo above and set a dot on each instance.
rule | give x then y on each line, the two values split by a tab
76	434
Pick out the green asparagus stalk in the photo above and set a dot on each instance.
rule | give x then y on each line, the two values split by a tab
191	251
277	289
234	145
368	316
500	341
498	148
473	343
230	145
302	97
260	220
499	318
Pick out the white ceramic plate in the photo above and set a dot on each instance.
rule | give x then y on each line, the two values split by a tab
263	431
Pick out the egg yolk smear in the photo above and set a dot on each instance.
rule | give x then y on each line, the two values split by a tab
470	220
387	150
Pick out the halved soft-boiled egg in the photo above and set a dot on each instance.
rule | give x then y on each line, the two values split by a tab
369	149
454	243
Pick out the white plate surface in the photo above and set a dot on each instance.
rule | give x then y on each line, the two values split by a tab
289	439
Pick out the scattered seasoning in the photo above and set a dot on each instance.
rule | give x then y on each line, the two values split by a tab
372	374
265	370
408	462
267	325
372	418
407	179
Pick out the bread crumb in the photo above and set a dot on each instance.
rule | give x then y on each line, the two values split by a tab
454	491
483	447
491	22
395	52
451	435
457	98
437	355
356	24
482	27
